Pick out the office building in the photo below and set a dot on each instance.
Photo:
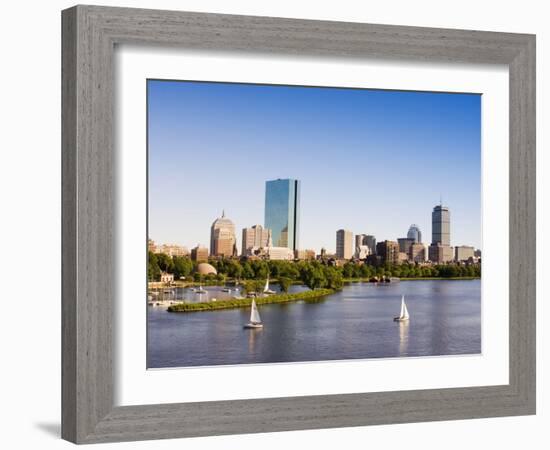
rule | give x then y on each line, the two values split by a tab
405	244
464	253
199	253
279	253
370	242
388	252
254	237
440	254
418	253
362	251
304	254
414	233
441	225
172	250
360	240
344	244
222	237
282	212
440	250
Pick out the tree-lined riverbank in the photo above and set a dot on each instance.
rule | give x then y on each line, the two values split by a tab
246	302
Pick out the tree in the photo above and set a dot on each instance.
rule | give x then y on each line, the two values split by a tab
183	266
285	283
333	277
312	276
153	270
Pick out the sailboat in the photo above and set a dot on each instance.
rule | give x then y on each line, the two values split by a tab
255	321
200	290
266	287
404	315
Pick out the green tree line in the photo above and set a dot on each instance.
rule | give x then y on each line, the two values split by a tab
314	274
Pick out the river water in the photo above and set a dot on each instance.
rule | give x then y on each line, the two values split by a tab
355	323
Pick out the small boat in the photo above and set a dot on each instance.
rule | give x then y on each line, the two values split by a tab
404	315
266	287
200	290
255	320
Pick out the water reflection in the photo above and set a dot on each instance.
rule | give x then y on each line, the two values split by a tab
403	337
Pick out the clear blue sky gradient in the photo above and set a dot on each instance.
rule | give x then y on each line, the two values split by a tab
369	161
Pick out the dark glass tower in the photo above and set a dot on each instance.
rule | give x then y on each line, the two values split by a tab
282	211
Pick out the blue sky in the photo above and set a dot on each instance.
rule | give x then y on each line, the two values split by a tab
370	161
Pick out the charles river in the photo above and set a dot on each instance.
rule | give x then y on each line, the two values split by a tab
355	323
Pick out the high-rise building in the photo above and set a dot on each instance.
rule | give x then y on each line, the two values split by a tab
441	225
344	244
360	240
199	253
405	244
282	212
440	250
222	237
388	251
414	233
254	237
370	242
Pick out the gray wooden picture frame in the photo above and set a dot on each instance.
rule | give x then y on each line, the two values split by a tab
89	36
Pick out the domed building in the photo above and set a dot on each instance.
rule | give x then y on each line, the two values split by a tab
222	237
206	269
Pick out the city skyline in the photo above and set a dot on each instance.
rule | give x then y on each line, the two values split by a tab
361	176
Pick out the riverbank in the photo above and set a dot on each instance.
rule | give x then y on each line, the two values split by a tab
245	302
367	280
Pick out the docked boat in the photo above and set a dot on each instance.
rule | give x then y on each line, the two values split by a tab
266	287
255	320
404	314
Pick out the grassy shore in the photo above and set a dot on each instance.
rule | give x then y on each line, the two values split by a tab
245	302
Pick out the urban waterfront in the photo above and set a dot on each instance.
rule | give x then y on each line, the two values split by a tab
354	323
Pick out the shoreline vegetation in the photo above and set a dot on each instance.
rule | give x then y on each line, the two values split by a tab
246	302
314	274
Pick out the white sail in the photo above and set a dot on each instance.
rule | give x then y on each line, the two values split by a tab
266	288
404	311
254	314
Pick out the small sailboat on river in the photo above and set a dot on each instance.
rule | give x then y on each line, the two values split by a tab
255	320
266	287
404	314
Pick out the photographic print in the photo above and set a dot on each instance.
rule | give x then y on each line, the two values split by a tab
300	223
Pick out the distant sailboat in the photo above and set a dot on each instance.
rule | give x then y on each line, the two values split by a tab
404	315
266	287
200	290
255	321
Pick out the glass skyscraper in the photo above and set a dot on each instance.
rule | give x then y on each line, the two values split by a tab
282	210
